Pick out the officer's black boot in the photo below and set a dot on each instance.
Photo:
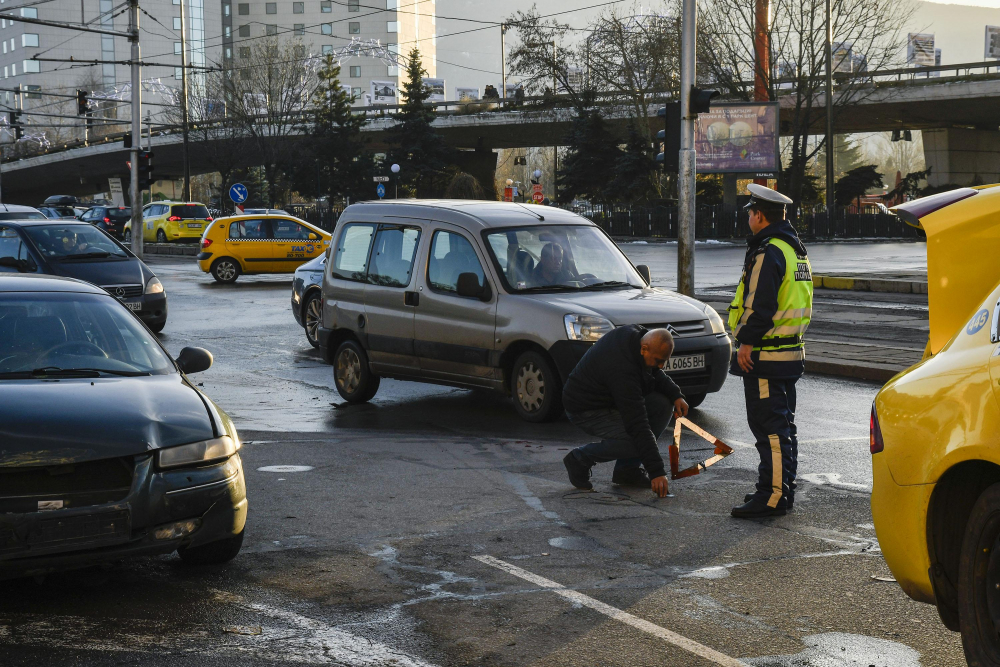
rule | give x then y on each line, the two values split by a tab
636	477
757	508
790	505
579	472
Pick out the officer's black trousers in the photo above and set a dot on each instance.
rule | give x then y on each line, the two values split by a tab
771	415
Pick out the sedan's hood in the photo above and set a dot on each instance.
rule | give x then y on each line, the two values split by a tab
629	306
104	272
48	422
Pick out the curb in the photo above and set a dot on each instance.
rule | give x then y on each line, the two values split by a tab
870	284
190	250
870	373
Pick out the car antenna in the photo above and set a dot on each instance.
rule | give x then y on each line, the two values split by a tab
541	217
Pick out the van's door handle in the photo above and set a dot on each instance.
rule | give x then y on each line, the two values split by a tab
411	299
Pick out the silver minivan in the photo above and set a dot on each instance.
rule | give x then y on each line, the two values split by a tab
493	294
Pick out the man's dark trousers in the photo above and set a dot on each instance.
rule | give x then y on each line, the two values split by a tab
616	444
771	416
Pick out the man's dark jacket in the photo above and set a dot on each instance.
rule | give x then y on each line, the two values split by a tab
613	374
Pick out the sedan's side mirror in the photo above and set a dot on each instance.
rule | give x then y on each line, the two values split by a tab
194	360
21	265
644	272
468	285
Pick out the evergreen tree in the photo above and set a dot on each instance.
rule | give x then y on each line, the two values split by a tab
855	183
587	169
634	169
420	151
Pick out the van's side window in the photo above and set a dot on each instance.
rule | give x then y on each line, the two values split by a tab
350	261
392	258
451	256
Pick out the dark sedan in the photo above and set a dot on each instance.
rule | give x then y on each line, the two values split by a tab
307	297
106	448
79	250
111	219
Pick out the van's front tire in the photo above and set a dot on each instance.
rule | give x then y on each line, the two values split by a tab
351	373
979	581
535	388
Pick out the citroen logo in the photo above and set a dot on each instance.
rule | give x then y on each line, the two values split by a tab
672	330
120	292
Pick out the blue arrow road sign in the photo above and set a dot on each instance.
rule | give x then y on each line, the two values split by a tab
380	191
238	193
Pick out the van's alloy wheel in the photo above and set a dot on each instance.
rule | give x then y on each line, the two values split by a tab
348	370
313	316
354	379
979	581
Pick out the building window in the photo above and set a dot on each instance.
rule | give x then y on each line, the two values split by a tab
29	39
225	9
326	6
355	71
392	4
245	30
243	8
229	52
177	23
354	28
13	70
227	31
327	49
12	44
245	52
271	29
5	46
298	8
177	48
29	13
392	26
30	66
178	72
326	28
299	30
299	50
354	5
6	75
356	93
392	48
271	7
392	70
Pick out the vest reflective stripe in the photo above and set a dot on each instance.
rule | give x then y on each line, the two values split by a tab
794	304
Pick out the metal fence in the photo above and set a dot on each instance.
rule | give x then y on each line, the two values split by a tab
716	222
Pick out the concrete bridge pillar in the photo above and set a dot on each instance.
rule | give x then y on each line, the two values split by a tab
962	156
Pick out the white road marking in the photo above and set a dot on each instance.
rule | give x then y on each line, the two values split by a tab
613	612
531	500
284	468
833	479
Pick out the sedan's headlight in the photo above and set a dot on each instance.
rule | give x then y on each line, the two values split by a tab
587	327
718	326
154	286
206	451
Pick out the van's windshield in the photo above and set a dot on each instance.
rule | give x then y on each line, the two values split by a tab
550	258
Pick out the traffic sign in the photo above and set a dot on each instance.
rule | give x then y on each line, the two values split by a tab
238	193
536	195
380	191
380	179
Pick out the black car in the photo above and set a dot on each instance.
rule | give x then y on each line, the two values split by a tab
79	250
106	448
111	219
61	200
307	297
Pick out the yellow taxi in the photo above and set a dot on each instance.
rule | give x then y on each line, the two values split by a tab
935	428
259	244
169	221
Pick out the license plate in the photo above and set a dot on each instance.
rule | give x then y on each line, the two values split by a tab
133	305
194	225
689	362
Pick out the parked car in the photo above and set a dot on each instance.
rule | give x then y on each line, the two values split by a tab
111	219
307	297
470	294
15	212
79	250
58	212
61	200
108	450
259	244
167	221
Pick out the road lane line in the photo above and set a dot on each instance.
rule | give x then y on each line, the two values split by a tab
613	612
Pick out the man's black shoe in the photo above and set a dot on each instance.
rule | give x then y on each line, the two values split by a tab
758	509
579	472
790	505
636	477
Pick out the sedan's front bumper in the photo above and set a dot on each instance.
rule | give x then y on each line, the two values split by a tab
213	497
152	309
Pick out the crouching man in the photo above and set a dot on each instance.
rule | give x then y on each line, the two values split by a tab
619	393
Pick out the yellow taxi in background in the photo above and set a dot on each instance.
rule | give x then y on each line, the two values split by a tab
935	428
168	221
259	244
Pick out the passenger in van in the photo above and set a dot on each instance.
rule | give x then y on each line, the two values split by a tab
551	267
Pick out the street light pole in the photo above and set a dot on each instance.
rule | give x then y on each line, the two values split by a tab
831	205
186	165
503	60
134	193
687	166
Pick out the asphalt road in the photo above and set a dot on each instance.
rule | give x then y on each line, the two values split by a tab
432	527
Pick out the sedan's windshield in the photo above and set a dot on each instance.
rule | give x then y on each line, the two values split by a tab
560	257
56	333
73	241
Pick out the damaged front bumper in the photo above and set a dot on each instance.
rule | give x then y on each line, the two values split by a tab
163	510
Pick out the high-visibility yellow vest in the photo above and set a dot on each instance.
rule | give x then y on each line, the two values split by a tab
795	298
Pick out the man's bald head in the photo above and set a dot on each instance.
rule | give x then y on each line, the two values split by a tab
656	347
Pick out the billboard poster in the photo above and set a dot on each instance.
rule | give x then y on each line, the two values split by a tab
436	89
993	41
920	49
843	57
384	92
467	94
738	138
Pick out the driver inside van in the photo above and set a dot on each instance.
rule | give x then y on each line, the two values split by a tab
551	267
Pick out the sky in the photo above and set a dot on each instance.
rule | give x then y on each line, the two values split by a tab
473	58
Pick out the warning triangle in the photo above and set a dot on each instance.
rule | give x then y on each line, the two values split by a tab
722	450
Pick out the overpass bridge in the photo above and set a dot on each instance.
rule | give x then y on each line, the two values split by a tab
957	114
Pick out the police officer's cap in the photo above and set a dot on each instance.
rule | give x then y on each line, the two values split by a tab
762	195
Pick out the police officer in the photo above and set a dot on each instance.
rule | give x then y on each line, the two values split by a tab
768	317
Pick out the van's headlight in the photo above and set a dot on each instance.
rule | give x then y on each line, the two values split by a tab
718	326
154	286
206	451
587	327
